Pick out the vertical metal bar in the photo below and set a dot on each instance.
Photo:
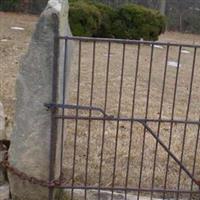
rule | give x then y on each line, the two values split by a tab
132	116
172	117
146	114
187	114
195	159
90	114
53	137
104	121
76	123
160	116
118	115
63	110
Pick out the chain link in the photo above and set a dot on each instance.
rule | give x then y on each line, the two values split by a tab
23	176
2	146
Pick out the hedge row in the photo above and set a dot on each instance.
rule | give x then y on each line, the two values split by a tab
130	21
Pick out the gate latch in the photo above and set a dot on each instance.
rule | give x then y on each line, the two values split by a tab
77	107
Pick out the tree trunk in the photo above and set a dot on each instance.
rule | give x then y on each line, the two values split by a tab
181	23
163	6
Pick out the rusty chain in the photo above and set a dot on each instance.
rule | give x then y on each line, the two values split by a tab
3	147
23	176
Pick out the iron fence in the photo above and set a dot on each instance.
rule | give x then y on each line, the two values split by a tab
130	123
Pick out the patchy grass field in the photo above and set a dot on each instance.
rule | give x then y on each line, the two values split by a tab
13	45
91	132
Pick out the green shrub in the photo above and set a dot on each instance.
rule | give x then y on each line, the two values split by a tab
130	21
84	18
107	18
135	22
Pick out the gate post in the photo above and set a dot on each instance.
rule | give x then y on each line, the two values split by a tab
31	139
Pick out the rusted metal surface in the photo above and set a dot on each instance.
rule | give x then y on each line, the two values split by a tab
23	176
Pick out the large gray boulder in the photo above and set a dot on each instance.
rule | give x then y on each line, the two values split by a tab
30	141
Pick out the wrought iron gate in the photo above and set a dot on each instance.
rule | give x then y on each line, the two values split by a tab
131	119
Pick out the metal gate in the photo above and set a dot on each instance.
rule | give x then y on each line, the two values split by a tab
130	123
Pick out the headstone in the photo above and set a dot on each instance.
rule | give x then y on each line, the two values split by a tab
174	64
30	141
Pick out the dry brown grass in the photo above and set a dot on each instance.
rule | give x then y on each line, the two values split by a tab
10	53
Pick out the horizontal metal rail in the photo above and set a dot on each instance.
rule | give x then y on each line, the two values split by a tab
110	117
126	119
123	41
74	107
127	189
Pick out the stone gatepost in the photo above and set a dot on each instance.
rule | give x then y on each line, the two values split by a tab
31	138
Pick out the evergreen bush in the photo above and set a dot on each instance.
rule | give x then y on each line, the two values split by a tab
135	22
130	21
84	18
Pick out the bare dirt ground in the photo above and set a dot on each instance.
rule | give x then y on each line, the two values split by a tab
13	44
